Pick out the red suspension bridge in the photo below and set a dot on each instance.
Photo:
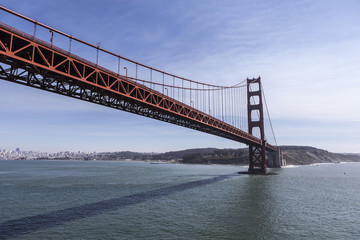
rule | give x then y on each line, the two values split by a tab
224	111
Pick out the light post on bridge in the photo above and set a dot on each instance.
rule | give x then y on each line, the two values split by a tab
128	90
126	70
97	52
51	38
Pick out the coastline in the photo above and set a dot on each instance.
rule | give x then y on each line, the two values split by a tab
294	156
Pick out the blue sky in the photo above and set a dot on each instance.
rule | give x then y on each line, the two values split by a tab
307	53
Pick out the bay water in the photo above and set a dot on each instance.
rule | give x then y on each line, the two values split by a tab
139	200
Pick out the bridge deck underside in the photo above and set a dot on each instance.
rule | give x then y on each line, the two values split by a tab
32	62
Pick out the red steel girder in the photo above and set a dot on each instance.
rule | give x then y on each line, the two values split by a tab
22	51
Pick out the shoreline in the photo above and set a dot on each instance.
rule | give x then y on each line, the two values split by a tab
293	155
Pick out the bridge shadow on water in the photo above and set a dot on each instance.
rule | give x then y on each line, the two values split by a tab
26	225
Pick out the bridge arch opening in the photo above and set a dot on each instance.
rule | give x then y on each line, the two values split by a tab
255	115
254	87
254	100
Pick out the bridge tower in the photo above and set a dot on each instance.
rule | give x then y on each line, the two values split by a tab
257	154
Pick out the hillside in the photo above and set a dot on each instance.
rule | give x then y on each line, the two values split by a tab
301	155
294	155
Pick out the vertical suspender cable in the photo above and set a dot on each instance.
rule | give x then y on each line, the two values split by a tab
182	90
209	100
190	94
232	106
163	84
151	83
222	103
173	88
198	98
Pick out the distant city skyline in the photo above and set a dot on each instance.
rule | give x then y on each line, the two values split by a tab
307	53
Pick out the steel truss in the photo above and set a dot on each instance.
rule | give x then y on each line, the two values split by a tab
35	63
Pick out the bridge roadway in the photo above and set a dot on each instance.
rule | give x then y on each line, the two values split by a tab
27	60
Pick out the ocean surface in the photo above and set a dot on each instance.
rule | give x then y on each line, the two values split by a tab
140	200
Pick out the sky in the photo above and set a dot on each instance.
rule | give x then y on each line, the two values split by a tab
306	52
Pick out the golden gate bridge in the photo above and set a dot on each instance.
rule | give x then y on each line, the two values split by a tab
224	111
